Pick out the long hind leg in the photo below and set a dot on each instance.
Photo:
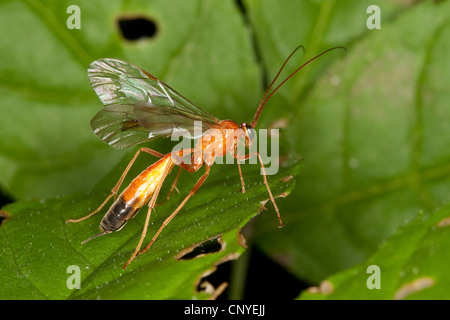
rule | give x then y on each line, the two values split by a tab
117	186
151	204
173	187
166	222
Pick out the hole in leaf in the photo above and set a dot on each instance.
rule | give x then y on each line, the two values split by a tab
197	250
137	28
5	199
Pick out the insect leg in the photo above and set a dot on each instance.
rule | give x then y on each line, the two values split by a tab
241	176
144	149
93	212
144	233
151	205
117	186
242	158
269	191
177	157
247	156
173	187
191	193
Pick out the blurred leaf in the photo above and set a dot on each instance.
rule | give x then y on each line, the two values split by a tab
412	265
38	247
374	135
315	25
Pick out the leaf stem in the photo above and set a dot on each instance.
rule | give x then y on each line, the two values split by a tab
238	276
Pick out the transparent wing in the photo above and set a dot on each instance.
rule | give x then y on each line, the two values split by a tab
124	125
117	126
138	106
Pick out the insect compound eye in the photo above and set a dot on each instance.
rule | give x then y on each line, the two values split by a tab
251	133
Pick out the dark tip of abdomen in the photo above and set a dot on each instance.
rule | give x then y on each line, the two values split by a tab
117	216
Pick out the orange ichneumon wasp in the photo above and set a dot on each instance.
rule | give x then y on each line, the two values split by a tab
139	107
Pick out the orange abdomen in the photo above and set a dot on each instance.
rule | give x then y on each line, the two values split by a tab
136	195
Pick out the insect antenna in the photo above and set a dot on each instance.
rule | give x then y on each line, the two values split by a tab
264	99
261	104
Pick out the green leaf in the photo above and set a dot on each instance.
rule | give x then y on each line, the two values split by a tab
38	247
371	124
412	264
373	132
